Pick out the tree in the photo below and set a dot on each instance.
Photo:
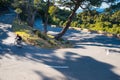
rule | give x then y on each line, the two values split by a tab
46	16
84	4
47	12
52	10
31	11
18	11
29	8
4	4
113	8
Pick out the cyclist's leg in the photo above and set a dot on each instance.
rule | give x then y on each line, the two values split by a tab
17	42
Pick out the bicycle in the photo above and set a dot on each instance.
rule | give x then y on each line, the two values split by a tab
18	43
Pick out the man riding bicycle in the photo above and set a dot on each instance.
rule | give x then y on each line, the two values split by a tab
18	39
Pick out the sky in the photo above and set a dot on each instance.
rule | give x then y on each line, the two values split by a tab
103	6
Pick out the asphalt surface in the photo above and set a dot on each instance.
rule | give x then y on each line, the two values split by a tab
94	57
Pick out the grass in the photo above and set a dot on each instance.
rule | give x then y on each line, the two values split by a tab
37	38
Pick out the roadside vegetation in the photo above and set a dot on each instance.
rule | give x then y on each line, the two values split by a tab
97	21
37	38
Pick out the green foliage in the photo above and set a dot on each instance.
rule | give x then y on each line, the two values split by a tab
41	35
36	2
64	24
113	8
58	16
56	20
61	23
115	17
5	3
52	10
74	24
18	11
52	42
100	21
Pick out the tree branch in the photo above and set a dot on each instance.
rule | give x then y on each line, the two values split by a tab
73	1
82	7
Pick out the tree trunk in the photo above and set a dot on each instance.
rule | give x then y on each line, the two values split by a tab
46	16
32	18
17	17
31	13
29	21
68	23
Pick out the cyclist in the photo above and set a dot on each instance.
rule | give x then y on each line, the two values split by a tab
18	39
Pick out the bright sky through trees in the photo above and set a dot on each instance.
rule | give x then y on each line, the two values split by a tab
103	5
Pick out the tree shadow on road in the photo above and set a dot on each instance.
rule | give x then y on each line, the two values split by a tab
3	32
4	35
81	68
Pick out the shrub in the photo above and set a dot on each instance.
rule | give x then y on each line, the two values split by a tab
50	36
39	34
53	42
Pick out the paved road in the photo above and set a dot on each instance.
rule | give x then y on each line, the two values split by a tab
94	57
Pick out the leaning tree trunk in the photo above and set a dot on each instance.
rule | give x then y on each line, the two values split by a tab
68	23
46	16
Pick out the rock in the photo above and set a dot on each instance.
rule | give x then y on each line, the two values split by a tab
86	31
53	26
118	36
109	35
75	28
70	28
101	32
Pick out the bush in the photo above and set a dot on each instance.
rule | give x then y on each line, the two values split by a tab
50	36
53	42
39	34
